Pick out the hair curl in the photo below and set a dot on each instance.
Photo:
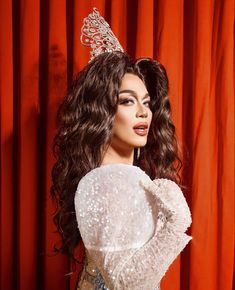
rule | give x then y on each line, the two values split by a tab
85	120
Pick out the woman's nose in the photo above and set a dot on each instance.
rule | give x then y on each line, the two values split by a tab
142	112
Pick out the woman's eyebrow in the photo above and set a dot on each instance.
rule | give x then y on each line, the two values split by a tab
127	92
133	93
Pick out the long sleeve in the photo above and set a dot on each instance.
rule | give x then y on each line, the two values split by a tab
169	239
133	228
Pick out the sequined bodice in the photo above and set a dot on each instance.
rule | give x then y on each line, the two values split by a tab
132	227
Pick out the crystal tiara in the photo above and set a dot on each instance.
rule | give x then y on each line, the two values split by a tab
97	34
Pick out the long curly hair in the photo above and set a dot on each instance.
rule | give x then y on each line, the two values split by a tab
85	119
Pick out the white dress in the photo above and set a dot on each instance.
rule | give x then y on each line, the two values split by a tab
132	227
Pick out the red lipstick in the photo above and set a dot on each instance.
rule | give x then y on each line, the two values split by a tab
141	128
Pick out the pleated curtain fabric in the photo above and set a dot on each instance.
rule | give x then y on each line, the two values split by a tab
41	51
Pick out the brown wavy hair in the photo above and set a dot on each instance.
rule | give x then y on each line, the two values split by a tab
85	120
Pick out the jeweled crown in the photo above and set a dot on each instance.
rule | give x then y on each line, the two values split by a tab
97	34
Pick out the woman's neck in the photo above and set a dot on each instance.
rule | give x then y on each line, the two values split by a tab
117	155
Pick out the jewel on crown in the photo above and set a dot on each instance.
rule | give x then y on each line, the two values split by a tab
97	34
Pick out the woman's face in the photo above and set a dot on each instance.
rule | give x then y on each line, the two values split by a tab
133	117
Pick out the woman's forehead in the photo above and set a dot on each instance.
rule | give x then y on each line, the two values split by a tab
132	82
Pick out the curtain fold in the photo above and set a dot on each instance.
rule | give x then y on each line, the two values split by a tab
6	137
41	52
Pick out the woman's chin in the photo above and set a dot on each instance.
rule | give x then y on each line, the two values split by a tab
140	144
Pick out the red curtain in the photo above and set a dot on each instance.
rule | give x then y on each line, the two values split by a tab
41	51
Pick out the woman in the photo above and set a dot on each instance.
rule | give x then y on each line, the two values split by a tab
132	227
115	179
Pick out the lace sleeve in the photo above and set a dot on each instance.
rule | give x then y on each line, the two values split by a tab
132	227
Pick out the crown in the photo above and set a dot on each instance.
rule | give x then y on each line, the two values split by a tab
97	34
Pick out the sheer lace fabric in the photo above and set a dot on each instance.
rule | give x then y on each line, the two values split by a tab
132	227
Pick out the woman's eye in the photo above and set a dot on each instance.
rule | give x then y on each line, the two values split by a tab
130	101
126	102
147	103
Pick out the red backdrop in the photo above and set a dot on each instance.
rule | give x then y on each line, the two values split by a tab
41	50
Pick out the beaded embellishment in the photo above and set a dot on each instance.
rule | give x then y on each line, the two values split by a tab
97	34
99	281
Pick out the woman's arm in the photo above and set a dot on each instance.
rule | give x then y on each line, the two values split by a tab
146	266
138	260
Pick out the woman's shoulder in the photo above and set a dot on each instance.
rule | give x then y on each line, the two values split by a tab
110	180
121	183
121	175
112	195
115	167
112	173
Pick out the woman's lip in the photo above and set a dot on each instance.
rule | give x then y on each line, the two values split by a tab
141	132
141	124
